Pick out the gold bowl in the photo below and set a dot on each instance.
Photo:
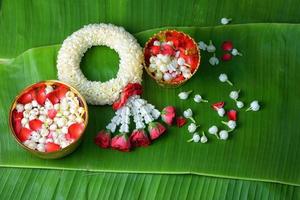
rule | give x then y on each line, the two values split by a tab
162	36
64	151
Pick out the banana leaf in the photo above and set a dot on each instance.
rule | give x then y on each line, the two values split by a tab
25	24
264	147
34	184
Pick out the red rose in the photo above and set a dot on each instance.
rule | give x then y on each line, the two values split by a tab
139	138
180	121
156	129
168	114
121	142
103	139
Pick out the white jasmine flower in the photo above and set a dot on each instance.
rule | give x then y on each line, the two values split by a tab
53	127
158	75
223	135
28	106
254	106
34	103
167	77
239	104
20	107
214	60
211	48
24	121
44	132
181	61
156	43
213	130
234	95
221	112
189	114
42	140
231	124
187	74
203	139
35	136
235	52
41	147
224	78
48	89
61	122
202	45
196	138
225	20
192	127
64	130
163	68
166	59
184	95
30	144
198	99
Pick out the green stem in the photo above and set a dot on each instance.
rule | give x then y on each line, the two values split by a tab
189	92
204	100
223	122
192	119
229	82
216	134
248	109
190	140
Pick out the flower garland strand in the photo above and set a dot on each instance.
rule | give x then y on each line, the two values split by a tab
143	113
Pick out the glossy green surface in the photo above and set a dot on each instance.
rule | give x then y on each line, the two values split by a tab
264	147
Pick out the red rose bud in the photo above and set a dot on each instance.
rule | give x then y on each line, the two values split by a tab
155	129
227	46
226	57
232	115
168	114
139	138
121	142
218	105
180	121
103	139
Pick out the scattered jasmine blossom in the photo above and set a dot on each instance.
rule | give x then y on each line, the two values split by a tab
211	48
189	115
239	104
223	135
231	124
203	139
213	130
196	138
254	106
192	127
234	95
224	78
198	99
235	52
221	112
214	60
184	95
225	20
202	45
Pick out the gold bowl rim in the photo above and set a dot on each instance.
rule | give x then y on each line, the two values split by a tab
164	83
63	150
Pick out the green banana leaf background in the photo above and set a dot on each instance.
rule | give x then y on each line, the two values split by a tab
261	159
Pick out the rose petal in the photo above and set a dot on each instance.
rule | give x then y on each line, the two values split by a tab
218	105
50	147
75	130
232	115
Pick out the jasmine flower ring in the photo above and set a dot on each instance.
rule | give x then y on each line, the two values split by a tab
74	47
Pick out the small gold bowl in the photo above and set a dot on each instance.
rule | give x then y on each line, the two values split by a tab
188	48
64	151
